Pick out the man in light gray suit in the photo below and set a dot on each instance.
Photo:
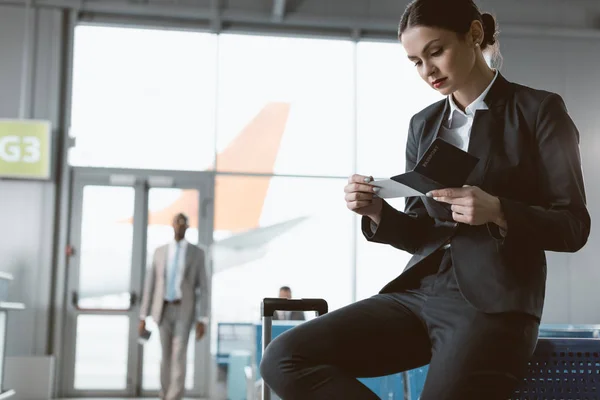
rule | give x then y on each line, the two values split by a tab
175	297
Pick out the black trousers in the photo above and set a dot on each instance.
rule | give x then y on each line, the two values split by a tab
471	355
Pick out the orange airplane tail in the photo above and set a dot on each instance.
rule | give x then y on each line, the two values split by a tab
239	200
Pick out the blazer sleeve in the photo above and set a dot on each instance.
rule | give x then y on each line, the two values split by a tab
201	287
148	294
562	222
404	230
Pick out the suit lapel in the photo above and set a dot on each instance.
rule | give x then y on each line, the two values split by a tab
487	131
431	127
480	143
189	259
429	133
164	259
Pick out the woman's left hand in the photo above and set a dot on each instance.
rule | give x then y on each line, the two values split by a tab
471	205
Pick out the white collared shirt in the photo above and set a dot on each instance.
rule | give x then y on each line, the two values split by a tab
456	129
180	266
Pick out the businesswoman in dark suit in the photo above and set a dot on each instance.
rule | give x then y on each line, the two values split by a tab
470	300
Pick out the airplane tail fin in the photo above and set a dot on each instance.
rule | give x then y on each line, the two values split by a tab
239	200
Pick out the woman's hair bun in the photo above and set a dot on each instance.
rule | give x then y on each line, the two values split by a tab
489	29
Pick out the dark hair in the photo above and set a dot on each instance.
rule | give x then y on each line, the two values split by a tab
452	15
181	215
285	289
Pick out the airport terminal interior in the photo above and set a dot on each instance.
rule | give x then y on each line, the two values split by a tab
248	117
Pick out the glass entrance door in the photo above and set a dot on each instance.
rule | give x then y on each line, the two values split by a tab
118	220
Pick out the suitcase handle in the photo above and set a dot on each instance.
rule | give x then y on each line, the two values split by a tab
272	304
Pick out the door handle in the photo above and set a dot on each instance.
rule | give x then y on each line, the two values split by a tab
74	298
132	299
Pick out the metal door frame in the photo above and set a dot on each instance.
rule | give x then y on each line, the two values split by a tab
141	181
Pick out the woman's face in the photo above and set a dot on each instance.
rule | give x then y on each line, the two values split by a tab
441	57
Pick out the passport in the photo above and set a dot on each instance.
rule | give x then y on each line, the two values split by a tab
144	337
443	165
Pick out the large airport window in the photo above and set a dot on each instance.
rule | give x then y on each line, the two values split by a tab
285	105
143	98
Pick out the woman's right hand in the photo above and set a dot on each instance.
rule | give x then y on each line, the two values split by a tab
361	197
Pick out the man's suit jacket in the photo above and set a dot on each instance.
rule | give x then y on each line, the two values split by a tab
528	150
294	316
194	292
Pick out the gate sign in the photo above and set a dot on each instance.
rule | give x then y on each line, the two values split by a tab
25	149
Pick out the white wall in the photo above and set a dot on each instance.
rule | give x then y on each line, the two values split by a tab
581	58
569	67
27	208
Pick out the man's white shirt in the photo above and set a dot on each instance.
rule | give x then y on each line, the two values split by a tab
180	266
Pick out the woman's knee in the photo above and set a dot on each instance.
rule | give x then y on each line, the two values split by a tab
276	356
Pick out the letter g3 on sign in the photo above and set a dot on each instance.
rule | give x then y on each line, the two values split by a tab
25	149
14	149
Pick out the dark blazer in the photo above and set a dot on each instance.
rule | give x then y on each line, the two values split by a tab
294	316
528	148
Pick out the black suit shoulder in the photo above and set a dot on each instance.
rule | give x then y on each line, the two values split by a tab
527	94
541	106
429	111
530	100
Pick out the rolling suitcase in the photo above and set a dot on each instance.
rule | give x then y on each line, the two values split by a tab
268	308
